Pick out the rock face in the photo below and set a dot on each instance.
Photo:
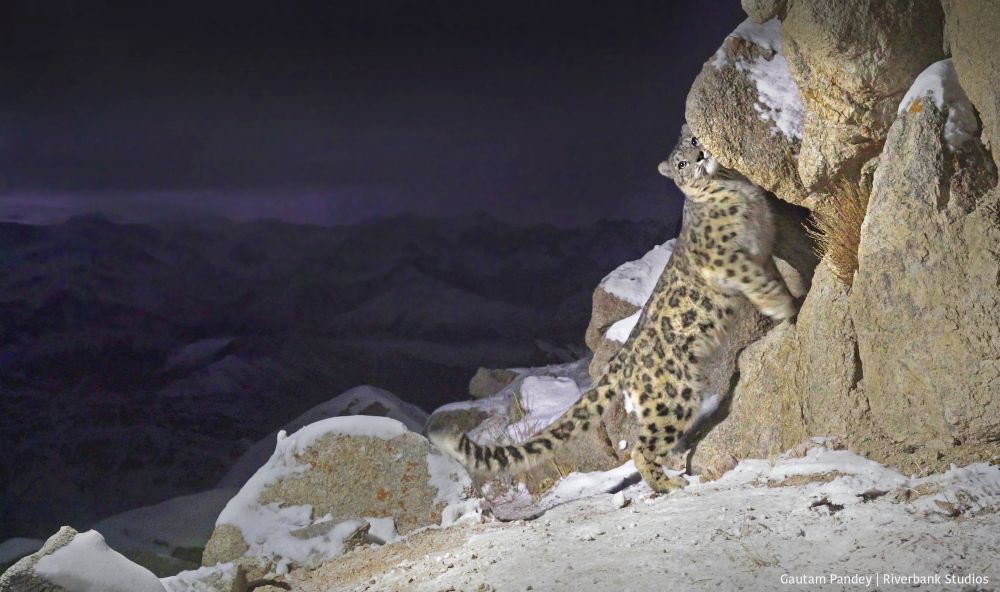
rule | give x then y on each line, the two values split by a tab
745	107
904	366
799	380
394	475
327	477
852	61
925	302
799	104
761	11
972	28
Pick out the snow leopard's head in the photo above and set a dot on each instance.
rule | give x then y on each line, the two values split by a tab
688	161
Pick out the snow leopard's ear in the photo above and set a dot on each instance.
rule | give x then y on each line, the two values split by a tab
666	168
685	130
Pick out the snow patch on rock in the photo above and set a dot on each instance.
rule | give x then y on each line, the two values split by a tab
778	97
634	281
204	579
580	485
88	564
545	393
268	528
544	399
939	82
452	482
621	330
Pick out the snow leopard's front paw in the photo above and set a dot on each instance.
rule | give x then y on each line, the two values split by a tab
780	311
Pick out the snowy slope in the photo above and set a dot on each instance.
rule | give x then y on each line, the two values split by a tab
184	522
831	514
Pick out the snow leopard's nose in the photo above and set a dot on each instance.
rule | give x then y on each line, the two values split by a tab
701	156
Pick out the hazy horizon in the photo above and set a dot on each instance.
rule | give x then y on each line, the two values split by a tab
331	113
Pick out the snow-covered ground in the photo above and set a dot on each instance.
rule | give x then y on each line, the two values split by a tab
830	520
181	522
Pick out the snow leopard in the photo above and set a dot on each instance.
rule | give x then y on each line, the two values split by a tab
722	254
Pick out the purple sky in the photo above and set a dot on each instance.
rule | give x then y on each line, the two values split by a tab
333	112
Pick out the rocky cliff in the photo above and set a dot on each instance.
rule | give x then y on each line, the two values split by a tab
902	364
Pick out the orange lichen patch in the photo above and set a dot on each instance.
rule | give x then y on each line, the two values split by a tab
916	106
382	494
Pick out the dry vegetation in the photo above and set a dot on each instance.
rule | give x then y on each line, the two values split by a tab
838	229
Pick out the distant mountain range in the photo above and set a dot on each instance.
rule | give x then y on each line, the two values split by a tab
137	362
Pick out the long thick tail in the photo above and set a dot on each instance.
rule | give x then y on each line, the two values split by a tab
581	417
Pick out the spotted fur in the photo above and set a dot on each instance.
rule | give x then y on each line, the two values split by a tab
723	254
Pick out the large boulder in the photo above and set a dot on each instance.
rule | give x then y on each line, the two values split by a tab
360	400
802	103
745	108
972	28
925	303
71	561
852	60
335	484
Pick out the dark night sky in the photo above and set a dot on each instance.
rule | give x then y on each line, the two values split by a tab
331	112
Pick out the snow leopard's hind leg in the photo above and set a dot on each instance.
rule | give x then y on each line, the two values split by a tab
653	473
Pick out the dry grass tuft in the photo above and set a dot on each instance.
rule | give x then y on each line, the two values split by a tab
838	229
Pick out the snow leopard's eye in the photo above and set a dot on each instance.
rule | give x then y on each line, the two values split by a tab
682	164
694	141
